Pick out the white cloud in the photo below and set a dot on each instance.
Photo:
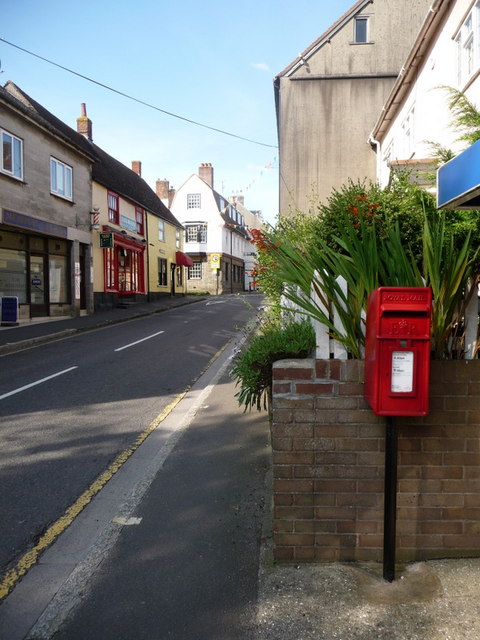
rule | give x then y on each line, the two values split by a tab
262	66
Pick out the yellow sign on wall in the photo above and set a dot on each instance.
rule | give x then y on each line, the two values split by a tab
215	260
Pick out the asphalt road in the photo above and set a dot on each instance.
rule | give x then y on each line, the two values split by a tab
188	568
69	408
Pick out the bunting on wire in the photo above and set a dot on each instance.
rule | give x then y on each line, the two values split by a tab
268	166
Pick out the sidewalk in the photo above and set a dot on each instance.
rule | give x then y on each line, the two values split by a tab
436	600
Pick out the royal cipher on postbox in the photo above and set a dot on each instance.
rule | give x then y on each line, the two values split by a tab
397	350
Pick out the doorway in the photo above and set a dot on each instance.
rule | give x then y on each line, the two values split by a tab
173	267
38	286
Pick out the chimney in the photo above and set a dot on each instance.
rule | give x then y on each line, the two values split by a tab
161	188
205	172
84	124
164	191
137	167
238	199
171	195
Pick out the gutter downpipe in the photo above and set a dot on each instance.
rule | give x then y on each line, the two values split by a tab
378	150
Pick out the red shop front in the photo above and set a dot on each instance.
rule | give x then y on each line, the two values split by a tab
124	266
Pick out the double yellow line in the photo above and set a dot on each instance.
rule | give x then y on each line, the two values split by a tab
30	558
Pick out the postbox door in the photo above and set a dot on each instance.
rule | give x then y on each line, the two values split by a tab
404	378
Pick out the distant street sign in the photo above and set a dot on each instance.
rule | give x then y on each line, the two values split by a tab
215	260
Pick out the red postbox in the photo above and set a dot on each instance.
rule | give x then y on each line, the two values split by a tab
397	350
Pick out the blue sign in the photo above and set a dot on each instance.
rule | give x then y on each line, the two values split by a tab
34	224
9	310
128	223
458	181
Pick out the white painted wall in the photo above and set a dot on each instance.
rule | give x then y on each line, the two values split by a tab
431	117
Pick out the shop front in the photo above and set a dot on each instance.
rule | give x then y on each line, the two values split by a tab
36	267
123	270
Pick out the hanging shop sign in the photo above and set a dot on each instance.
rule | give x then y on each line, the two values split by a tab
106	240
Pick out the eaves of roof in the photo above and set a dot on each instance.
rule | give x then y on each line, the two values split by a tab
114	175
324	38
30	108
409	72
105	169
234	226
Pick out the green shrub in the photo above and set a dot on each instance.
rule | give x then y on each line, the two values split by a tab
252	368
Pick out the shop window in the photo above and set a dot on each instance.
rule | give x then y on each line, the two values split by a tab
58	279
124	271
12	155
61	179
13	268
110	269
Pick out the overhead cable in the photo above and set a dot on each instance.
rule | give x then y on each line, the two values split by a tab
146	104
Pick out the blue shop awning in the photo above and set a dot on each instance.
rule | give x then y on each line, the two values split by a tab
458	181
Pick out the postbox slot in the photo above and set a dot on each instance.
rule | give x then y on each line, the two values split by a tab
392	309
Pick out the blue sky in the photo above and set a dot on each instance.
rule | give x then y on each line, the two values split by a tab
210	61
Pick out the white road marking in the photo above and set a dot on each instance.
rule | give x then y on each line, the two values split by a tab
33	384
138	341
127	522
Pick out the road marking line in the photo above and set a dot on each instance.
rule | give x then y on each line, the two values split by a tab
33	384
138	341
127	522
30	558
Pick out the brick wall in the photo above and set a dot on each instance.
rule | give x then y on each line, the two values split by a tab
328	465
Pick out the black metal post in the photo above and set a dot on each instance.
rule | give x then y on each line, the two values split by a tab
390	505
